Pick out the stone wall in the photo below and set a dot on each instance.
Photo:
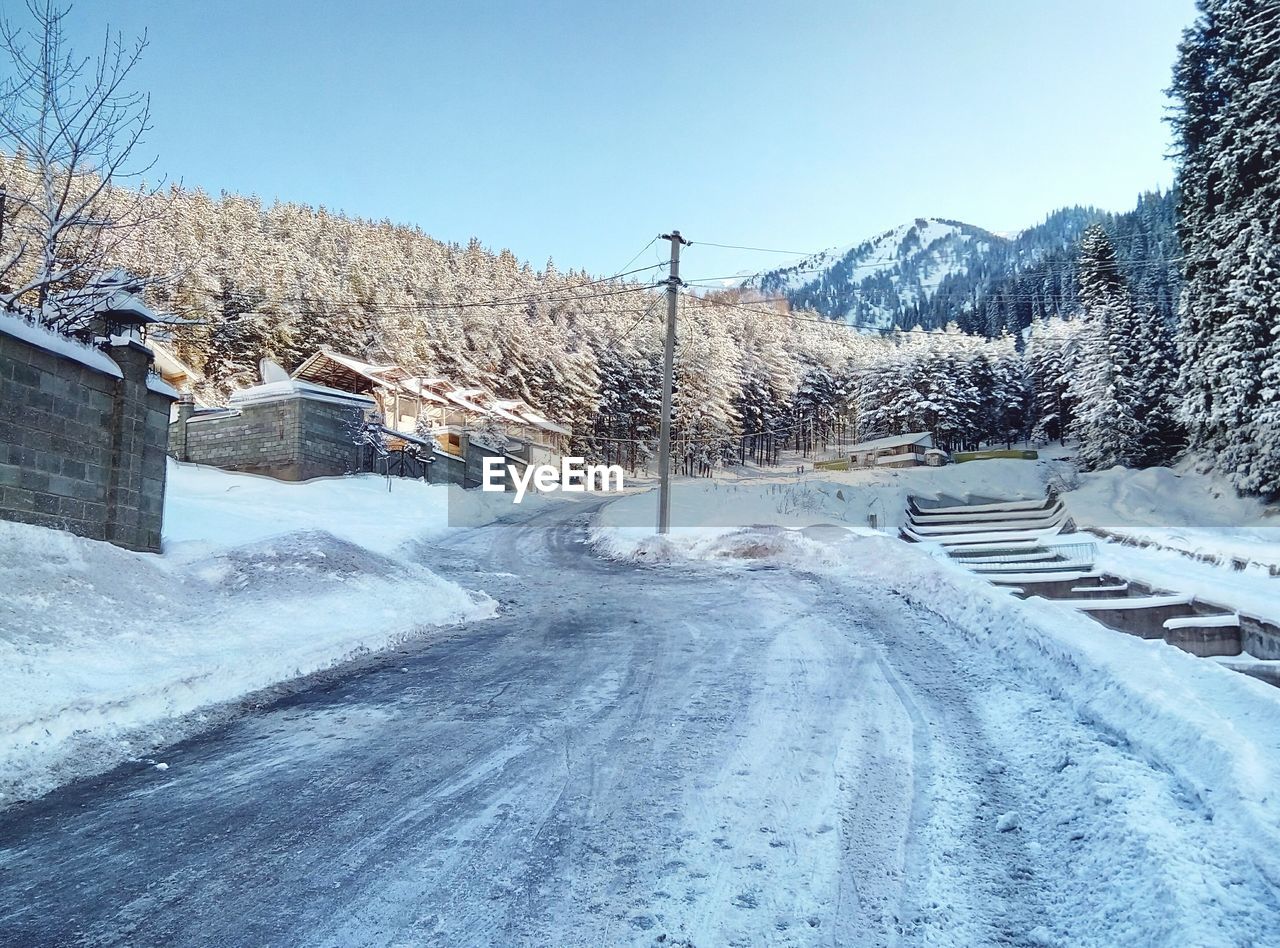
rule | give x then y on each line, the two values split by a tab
80	448
290	431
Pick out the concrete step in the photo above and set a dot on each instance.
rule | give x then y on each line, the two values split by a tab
1048	568
1111	591
1263	670
924	517
1143	616
1024	556
1040	503
989	526
1205	635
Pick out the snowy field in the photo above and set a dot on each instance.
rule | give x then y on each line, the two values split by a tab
104	652
1178	509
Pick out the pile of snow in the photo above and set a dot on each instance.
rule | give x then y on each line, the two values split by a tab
103	651
207	509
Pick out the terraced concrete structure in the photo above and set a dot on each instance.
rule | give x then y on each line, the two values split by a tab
1018	544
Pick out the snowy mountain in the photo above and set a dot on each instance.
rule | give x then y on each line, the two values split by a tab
874	282
933	271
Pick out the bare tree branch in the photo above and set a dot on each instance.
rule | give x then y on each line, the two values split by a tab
75	126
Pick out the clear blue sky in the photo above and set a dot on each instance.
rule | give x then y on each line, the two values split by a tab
579	130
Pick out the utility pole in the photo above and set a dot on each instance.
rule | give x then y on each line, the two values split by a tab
668	371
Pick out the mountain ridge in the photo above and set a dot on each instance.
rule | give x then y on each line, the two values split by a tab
932	271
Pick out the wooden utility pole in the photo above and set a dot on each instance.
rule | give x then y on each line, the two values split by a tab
668	372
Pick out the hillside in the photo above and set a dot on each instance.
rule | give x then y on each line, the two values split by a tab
874	282
933	271
252	280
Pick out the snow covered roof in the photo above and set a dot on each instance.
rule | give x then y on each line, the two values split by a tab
158	385
422	388
463	397
515	410
508	409
294	388
895	441
347	373
341	371
169	364
123	303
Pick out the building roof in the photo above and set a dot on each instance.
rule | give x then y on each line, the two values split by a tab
894	441
347	373
508	408
535	419
335	370
169	364
463	396
296	388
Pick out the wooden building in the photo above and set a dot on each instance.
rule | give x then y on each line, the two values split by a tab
451	412
908	450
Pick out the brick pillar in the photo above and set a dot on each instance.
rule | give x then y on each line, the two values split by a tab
128	446
178	430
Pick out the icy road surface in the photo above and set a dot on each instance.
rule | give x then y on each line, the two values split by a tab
687	756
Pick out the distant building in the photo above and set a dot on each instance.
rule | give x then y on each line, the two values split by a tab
449	412
284	428
177	374
908	450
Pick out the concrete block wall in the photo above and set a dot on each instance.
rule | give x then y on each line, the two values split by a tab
82	450
291	438
1260	639
448	469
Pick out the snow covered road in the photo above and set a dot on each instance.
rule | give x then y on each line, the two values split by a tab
685	755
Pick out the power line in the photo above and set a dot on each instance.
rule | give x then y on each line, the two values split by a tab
614	340
555	296
793	253
638	255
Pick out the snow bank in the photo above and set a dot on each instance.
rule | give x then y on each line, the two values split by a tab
207	509
1251	591
104	651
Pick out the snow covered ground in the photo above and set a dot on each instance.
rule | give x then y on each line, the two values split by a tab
103	651
703	510
823	738
1211	736
1178	509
